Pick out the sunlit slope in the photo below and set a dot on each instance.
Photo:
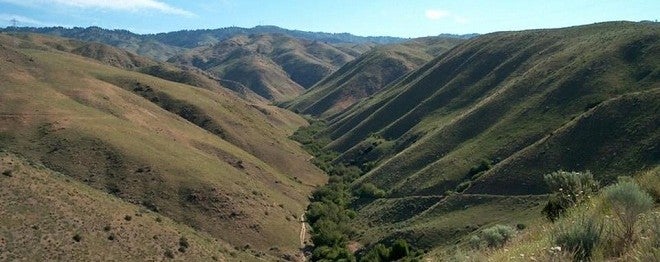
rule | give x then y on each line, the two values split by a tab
203	158
496	95
47	216
368	74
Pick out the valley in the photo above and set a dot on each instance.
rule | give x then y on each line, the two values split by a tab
268	144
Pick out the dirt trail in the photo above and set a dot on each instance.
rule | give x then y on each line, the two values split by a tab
303	230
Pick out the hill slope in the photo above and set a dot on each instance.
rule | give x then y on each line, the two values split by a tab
204	158
274	66
494	114
368	74
46	216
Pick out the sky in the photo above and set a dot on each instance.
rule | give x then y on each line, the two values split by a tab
403	18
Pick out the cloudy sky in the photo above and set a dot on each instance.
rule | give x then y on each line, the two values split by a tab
403	18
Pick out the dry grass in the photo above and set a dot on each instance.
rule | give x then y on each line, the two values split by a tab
48	216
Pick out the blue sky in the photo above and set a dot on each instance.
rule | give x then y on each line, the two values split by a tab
411	18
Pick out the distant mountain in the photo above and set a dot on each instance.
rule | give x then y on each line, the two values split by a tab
473	131
274	66
195	38
139	44
298	60
368	74
164	45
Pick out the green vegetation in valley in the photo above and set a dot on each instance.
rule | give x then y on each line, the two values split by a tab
330	214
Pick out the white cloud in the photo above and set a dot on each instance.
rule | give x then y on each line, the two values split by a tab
435	14
121	5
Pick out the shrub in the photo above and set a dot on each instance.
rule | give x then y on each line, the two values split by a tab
335	253
169	254
650	182
579	237
183	242
400	249
484	165
497	235
628	201
463	186
369	190
475	242
378	253
647	249
569	189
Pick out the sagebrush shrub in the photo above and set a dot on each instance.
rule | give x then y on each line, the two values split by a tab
627	201
569	189
497	235
579	237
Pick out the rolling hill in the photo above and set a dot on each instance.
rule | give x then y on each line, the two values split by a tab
274	66
368	74
204	158
48	216
489	117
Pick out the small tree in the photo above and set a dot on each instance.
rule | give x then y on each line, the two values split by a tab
628	201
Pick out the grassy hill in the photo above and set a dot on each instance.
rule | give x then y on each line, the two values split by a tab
275	66
204	158
48	216
489	117
368	74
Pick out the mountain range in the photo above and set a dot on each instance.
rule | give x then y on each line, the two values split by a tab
179	145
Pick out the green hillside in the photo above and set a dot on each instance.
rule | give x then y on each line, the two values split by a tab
487	119
275	66
202	157
368	74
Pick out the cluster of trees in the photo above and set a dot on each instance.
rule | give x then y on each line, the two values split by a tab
330	214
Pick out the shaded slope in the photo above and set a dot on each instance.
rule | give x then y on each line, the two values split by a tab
473	131
46	216
203	158
272	65
492	97
368	74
